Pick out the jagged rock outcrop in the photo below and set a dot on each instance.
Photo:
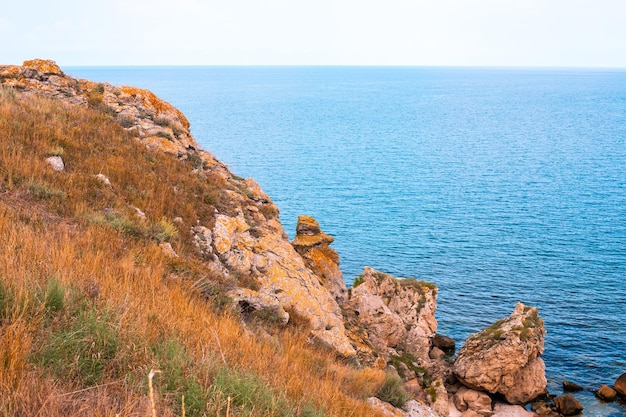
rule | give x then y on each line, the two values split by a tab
312	244
157	123
505	357
396	313
267	256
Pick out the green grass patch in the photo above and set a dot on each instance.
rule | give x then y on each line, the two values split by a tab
252	396
81	350
392	390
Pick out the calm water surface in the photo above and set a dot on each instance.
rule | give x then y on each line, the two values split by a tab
499	185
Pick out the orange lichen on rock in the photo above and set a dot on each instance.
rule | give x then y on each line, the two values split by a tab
151	100
45	66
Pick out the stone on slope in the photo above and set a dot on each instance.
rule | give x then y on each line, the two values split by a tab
505	357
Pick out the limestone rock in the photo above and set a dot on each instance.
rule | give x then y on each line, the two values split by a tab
104	180
568	405
167	249
415	409
397	313
385	408
56	163
45	66
508	410
477	401
312	244
620	385
282	272
445	343
505	357
248	299
606	393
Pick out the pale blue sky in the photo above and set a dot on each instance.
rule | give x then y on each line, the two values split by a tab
561	33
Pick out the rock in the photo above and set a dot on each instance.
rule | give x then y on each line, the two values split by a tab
396	312
56	163
104	180
477	401
571	386
568	405
167	249
312	244
445	343
504	358
436	353
279	270
508	410
415	409
606	393
620	385
384	408
250	300
45	66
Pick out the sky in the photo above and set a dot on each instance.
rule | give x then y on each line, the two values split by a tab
529	33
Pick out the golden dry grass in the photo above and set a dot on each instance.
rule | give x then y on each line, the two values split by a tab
89	304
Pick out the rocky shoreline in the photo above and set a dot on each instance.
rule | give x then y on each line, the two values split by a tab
381	321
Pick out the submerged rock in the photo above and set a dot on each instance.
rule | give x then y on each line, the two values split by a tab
505	357
569	386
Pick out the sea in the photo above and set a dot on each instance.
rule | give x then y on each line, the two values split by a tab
497	184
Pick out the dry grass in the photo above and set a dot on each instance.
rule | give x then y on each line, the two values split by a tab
88	301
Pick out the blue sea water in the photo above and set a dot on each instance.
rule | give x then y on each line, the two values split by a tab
499	185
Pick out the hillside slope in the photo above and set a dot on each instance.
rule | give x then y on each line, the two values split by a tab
124	260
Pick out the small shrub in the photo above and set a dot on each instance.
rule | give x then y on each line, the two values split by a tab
164	230
162	121
392	390
358	281
54	299
126	121
42	191
165	135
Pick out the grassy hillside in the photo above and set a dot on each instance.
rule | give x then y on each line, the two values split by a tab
90	303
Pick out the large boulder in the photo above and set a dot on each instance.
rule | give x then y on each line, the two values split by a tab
477	401
395	312
505	357
312	244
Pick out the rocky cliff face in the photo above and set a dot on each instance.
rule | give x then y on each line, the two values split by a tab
244	239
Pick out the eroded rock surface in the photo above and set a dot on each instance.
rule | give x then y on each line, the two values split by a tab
505	357
312	244
396	313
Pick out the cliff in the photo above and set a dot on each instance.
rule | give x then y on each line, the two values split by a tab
129	249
